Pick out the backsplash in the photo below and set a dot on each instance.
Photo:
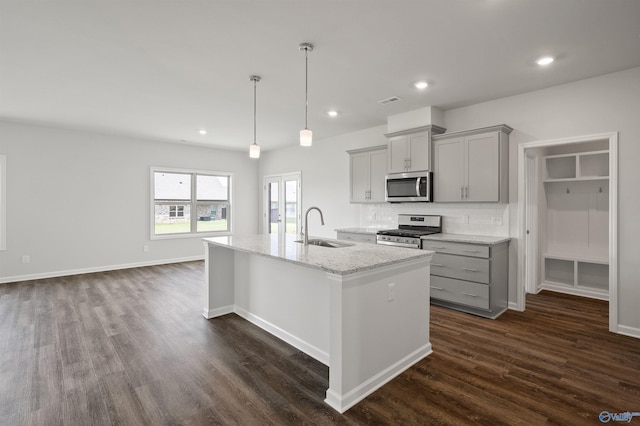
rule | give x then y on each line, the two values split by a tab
476	219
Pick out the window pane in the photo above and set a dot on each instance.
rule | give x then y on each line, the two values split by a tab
274	208
213	217
172	219
172	186
212	187
291	206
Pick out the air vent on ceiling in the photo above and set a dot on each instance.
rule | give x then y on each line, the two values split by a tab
390	100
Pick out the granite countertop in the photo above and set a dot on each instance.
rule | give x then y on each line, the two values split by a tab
367	231
471	239
356	257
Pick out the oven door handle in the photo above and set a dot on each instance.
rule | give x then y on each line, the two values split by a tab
395	244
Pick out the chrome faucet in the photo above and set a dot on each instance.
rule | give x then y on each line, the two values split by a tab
306	224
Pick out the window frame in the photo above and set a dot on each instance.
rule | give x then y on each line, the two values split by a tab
192	202
3	202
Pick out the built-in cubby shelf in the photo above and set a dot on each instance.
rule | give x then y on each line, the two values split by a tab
576	257
577	276
592	165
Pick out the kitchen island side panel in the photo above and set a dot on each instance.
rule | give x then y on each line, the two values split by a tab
219	281
288	300
379	328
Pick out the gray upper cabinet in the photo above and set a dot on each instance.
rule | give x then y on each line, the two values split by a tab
367	170
409	150
472	166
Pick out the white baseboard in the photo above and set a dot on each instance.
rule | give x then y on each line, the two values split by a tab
594	294
217	312
55	274
342	403
629	331
294	341
514	306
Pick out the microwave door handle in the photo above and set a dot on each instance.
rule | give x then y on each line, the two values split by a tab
417	187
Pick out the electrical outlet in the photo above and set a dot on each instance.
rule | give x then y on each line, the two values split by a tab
496	220
145	249
26	258
391	292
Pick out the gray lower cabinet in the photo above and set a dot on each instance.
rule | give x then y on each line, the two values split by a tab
470	277
356	236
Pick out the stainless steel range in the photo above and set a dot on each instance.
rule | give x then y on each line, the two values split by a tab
410	228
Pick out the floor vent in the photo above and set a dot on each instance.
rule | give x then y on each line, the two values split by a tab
390	100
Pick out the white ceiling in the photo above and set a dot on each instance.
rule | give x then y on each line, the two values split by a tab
166	69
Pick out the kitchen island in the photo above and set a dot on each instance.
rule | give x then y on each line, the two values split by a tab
361	309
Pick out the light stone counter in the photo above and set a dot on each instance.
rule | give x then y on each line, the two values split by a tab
366	231
469	239
356	257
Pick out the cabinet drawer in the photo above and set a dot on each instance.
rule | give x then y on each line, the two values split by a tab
461	267
354	236
458	291
462	249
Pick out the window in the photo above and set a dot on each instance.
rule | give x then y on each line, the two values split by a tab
190	202
176	211
3	205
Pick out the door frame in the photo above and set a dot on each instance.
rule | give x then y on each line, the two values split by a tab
532	268
281	177
523	187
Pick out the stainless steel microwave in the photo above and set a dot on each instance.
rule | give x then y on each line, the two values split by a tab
409	187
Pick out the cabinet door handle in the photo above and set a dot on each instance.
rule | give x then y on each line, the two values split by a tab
462	192
436	247
471	251
469	269
437	288
466	192
437	264
469	294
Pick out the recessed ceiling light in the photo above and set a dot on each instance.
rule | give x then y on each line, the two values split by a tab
203	132
545	60
421	85
332	113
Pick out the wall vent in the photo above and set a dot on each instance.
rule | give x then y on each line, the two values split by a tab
390	100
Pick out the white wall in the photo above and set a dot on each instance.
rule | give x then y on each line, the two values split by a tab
602	104
79	201
325	176
597	105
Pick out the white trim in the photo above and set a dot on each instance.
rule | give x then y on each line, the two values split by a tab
281	178
584	292
193	202
351	398
294	341
628	331
612	137
3	202
217	312
56	274
514	307
613	233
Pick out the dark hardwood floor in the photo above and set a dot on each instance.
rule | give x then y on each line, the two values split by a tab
131	347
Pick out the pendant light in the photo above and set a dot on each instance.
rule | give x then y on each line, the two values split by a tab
254	150
306	135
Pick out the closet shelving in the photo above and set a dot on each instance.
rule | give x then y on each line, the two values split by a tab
576	256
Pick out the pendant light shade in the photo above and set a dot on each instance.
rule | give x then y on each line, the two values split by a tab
254	150
306	135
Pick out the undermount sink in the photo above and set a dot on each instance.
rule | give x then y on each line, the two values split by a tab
325	243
